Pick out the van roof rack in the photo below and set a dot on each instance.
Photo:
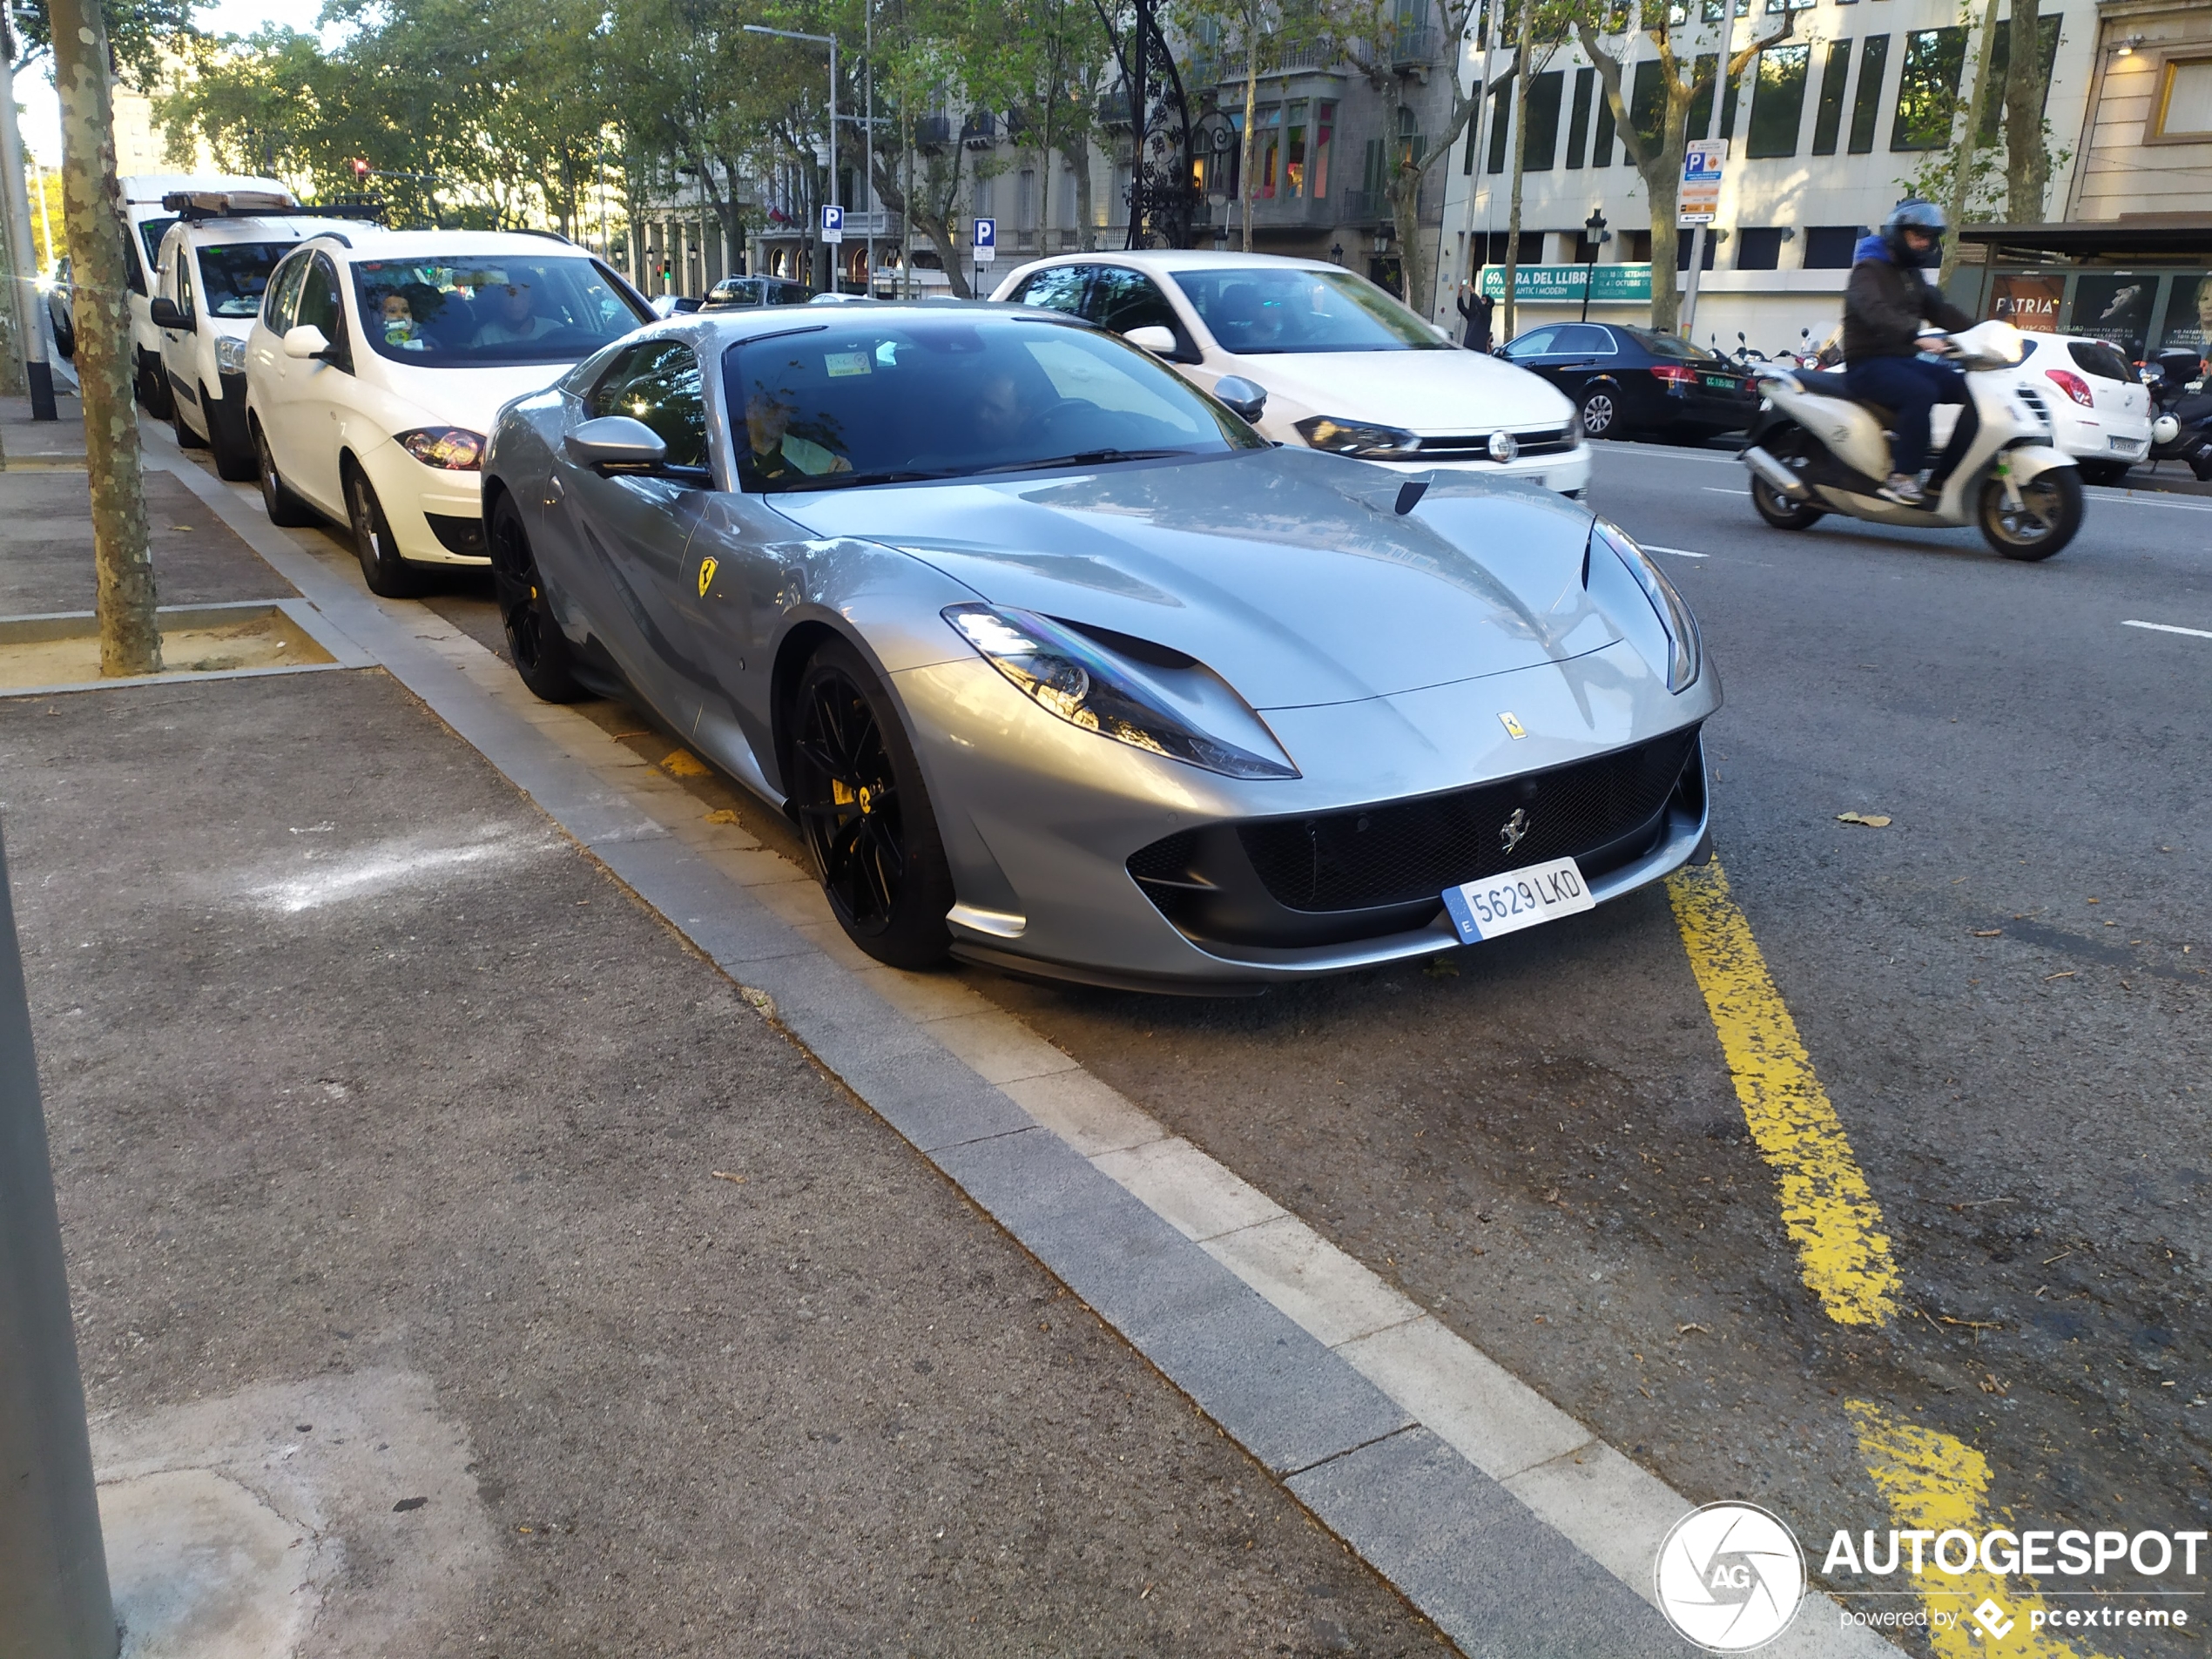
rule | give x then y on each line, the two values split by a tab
195	206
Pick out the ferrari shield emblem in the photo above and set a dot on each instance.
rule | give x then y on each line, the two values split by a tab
1513	728
706	576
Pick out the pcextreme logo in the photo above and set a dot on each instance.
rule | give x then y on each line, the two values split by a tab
1729	1577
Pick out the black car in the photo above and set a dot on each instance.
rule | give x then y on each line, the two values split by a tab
1625	380
734	292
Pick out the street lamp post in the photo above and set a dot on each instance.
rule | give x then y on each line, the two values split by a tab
820	40
1594	229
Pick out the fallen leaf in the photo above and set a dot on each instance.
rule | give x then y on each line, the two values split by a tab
722	815
1989	932
1685	1329
1872	820
725	1175
684	764
2069	973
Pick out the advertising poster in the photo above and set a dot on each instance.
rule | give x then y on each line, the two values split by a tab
2027	300
2116	306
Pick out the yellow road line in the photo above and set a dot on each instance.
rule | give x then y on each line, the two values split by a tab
1826	1205
1935	1483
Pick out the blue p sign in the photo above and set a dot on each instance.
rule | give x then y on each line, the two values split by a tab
987	240
832	223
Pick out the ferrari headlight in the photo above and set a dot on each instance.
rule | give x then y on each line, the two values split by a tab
1352	438
1161	701
230	356
1685	653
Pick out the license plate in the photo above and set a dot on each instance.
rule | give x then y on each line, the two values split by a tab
1721	382
1506	904
2128	444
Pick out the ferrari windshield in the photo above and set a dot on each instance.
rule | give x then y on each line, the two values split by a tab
231	279
479	313
1268	309
895	397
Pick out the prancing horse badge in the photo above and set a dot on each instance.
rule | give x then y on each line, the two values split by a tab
1513	728
706	576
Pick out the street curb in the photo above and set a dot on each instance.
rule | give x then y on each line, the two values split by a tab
1505	1521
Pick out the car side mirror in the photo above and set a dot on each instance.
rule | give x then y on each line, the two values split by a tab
306	341
615	444
165	315
1152	337
1246	398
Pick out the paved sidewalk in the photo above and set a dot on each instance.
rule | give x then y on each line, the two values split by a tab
402	1155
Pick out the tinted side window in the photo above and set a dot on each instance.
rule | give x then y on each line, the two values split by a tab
1121	299
184	282
1059	289
1583	340
2095	358
1535	343
284	293
658	384
319	300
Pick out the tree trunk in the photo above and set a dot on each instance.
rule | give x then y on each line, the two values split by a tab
2028	163
1519	153
92	219
1252	105
1962	160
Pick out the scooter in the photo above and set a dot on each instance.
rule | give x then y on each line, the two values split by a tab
2181	430
1817	449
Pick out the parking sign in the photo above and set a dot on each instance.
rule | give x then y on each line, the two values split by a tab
833	222
1699	202
986	241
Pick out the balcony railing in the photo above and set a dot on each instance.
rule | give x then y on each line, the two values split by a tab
979	130
933	131
1414	46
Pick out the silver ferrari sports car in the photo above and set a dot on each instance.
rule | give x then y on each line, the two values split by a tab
1058	665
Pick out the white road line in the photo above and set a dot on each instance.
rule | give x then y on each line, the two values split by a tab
1679	552
2137	498
2168	628
1715	490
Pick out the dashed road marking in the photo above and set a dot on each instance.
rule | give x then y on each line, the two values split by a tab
1679	552
1827	1207
1935	1484
2169	628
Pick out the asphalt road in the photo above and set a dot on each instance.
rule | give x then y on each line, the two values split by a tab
2002	992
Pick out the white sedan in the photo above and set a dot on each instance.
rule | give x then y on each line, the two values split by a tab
1345	367
376	366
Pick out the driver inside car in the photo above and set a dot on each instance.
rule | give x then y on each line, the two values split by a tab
776	453
515	317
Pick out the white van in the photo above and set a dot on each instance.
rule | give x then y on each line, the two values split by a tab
213	268
148	221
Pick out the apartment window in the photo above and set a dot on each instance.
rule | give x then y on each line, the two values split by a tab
1647	102
986	191
1294	142
1501	126
2184	105
1828	247
1704	73
1578	120
1866	106
1267	150
1758	250
1778	105
1828	111
1635	246
1927	88
1492	246
1601	146
1325	125
1412	147
1543	119
1683	237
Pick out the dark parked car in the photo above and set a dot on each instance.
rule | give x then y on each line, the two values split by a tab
1625	381
733	292
61	307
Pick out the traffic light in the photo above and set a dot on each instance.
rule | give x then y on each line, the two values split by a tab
361	168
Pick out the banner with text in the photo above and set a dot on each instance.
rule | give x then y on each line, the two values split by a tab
1535	284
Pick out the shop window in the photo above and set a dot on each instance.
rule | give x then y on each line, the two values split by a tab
1760	249
1635	246
1778	105
1543	120
2184	108
1294	143
1866	106
1578	120
1828	247
1828	111
1927	88
1267	150
1325	126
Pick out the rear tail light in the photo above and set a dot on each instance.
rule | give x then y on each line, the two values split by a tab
2072	384
1674	373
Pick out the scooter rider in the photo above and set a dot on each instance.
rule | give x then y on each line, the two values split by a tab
1885	305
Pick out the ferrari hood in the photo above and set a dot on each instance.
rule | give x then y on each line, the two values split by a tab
1290	574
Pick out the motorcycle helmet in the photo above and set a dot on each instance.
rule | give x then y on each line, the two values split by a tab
1918	216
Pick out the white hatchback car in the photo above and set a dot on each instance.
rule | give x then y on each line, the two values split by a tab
209	279
379	362
2100	408
1347	368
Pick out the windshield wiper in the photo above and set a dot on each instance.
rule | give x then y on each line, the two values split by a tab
852	480
1085	458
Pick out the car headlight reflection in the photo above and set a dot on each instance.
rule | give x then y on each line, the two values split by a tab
1685	652
1356	438
450	449
1143	695
230	356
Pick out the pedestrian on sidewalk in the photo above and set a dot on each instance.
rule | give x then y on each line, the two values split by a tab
1474	307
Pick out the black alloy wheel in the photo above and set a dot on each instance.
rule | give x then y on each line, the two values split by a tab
534	642
388	575
2046	520
277	500
1600	408
865	815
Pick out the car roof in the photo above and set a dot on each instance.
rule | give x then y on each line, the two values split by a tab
1188	259
374	242
252	227
744	322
